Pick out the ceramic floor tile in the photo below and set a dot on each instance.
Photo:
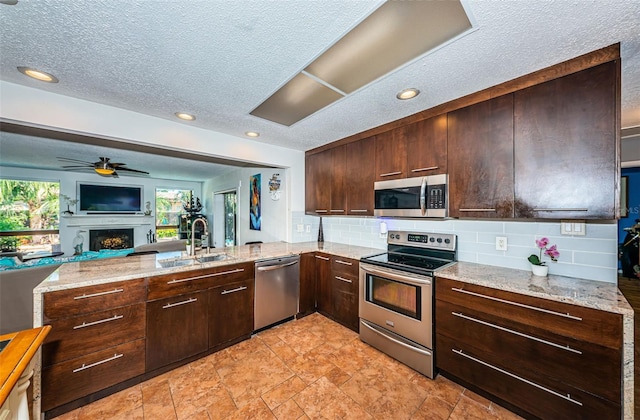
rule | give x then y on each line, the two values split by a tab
433	408
311	366
321	395
468	409
440	387
477	398
288	410
254	410
283	350
114	406
337	376
283	392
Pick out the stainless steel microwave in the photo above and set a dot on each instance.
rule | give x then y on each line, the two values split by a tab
424	196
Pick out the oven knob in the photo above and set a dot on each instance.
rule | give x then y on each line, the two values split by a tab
447	241
432	239
439	240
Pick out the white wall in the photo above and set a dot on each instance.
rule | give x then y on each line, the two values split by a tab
276	215
38	107
68	182
594	256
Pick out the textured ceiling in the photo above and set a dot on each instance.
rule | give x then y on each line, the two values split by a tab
220	59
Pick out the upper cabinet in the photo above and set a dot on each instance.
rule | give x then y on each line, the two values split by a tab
481	159
360	176
318	183
566	145
426	146
391	155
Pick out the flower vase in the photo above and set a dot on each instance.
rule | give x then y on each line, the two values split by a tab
320	232
539	270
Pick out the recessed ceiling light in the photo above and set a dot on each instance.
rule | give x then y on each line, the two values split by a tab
185	116
38	75
252	134
407	94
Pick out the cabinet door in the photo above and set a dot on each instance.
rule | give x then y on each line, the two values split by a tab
230	312
318	183
480	142
565	146
427	146
345	299
176	329
361	174
307	304
391	155
323	283
338	181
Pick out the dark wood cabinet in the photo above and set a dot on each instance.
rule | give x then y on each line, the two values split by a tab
360	176
480	159
565	146
391	155
318	183
176	329
546	358
344	290
307	302
426	146
323	284
230	312
338	202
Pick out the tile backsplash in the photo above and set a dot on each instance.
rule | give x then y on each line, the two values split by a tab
593	256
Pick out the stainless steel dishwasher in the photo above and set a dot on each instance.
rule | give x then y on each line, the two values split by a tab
277	290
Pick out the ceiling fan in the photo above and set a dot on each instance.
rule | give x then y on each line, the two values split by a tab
104	167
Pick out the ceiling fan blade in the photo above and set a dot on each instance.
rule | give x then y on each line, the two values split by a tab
77	167
133	170
116	164
73	160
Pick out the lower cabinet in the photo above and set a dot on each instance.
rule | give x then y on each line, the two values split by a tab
230	312
548	359
323	284
176	329
307	302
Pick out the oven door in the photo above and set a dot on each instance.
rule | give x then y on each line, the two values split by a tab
397	301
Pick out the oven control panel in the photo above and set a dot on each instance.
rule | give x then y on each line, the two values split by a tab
446	241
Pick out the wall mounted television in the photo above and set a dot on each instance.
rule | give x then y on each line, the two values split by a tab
109	199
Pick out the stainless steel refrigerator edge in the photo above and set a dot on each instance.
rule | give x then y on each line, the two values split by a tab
277	290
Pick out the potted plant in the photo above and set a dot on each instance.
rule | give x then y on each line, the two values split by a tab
539	267
69	202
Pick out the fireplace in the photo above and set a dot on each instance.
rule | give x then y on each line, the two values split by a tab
110	239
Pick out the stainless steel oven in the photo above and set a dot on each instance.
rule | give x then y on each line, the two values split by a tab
396	296
425	196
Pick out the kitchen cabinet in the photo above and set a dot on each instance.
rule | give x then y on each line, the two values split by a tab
360	176
480	159
318	183
337	184
391	155
546	358
344	290
231	312
426	146
565	146
323	284
307	303
97	340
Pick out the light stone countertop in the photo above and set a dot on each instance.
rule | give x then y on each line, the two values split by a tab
87	273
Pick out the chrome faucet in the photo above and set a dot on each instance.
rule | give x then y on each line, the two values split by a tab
193	234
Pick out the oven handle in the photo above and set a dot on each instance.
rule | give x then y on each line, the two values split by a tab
417	350
423	196
397	277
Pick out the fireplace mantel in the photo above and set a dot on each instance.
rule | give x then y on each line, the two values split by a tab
108	220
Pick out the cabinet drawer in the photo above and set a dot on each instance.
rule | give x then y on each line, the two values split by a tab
84	334
84	300
343	265
76	378
175	284
568	320
587	366
545	401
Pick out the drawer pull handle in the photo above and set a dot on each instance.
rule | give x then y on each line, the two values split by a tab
89	324
85	296
476	209
522	305
530	337
83	367
184	302
569	209
336	211
390	174
322	258
430	168
557	394
359	211
226	292
222	273
321	211
344	280
344	262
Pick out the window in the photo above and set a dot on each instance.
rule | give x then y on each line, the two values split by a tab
168	210
29	215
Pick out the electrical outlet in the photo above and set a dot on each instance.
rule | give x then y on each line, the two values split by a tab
501	243
299	228
308	228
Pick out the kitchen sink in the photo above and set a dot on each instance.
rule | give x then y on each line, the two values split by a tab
176	262
212	257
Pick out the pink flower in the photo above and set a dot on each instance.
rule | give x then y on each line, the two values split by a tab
553	253
542	242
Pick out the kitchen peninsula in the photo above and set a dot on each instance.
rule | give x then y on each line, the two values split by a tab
128	288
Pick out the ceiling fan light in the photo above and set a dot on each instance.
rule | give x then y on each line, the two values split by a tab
105	171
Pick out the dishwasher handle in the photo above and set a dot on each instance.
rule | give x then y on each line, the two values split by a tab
276	267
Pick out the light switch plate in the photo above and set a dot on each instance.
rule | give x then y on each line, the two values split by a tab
299	228
501	243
